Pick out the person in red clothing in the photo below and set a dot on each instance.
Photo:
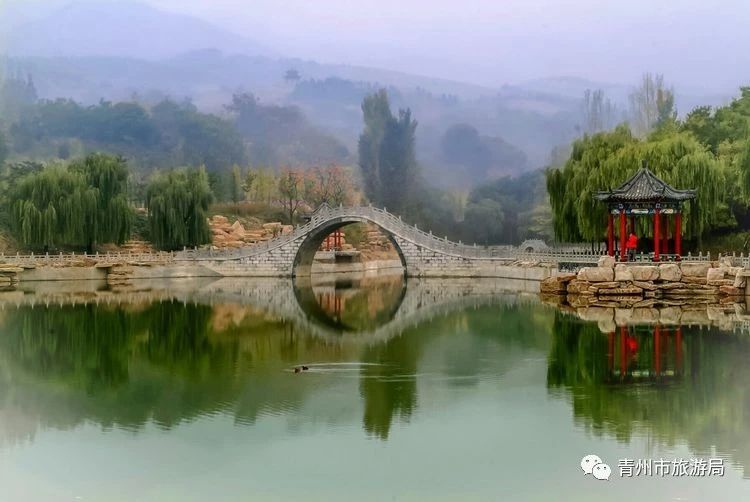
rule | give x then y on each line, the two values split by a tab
631	245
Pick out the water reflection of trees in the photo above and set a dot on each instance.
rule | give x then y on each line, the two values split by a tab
388	383
462	346
693	393
171	362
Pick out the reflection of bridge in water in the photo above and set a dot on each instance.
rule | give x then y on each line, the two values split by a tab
295	301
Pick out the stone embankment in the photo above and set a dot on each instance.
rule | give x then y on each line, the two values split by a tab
636	285
9	276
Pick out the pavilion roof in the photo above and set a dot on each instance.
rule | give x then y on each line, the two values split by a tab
645	186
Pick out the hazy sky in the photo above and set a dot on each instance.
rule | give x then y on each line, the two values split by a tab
698	44
493	41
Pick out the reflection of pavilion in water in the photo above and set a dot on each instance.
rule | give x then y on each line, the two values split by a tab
671	383
645	353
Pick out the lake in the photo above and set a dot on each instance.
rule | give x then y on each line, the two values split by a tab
359	388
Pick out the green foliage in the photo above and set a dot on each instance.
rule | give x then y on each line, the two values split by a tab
167	134
235	184
486	218
386	153
3	148
520	204
82	204
17	94
463	148
282	135
605	160
109	177
177	203
293	187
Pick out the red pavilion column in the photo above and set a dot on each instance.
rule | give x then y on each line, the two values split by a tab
623	353
657	235
678	235
610	235
622	234
665	233
657	351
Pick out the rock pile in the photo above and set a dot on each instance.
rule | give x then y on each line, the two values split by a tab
611	284
376	240
226	235
9	276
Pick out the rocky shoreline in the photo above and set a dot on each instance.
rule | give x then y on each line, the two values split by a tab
612	284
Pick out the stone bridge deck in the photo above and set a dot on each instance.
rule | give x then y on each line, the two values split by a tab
422	253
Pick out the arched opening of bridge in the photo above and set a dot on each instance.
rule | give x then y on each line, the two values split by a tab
340	244
341	303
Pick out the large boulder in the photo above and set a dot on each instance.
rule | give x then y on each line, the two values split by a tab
602	285
552	285
670	315
596	274
596	314
694	280
739	281
648	315
731	291
670	272
648	286
716	274
624	290
623	273
644	272
577	287
694	269
606	262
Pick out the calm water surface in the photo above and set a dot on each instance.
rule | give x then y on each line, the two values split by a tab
440	390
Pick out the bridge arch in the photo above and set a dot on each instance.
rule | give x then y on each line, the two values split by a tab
303	259
422	254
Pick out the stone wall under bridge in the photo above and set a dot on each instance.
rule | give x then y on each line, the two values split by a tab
422	254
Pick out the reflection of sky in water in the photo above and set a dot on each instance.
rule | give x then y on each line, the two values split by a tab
462	406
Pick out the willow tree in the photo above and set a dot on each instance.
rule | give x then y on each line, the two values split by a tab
177	203
605	160
79	205
108	176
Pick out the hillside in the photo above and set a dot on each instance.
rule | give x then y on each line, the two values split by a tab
122	29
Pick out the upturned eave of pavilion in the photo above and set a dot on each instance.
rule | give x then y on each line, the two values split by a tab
645	189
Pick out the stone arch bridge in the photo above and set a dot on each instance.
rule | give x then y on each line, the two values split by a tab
422	254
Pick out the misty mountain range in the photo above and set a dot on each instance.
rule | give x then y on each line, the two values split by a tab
122	51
